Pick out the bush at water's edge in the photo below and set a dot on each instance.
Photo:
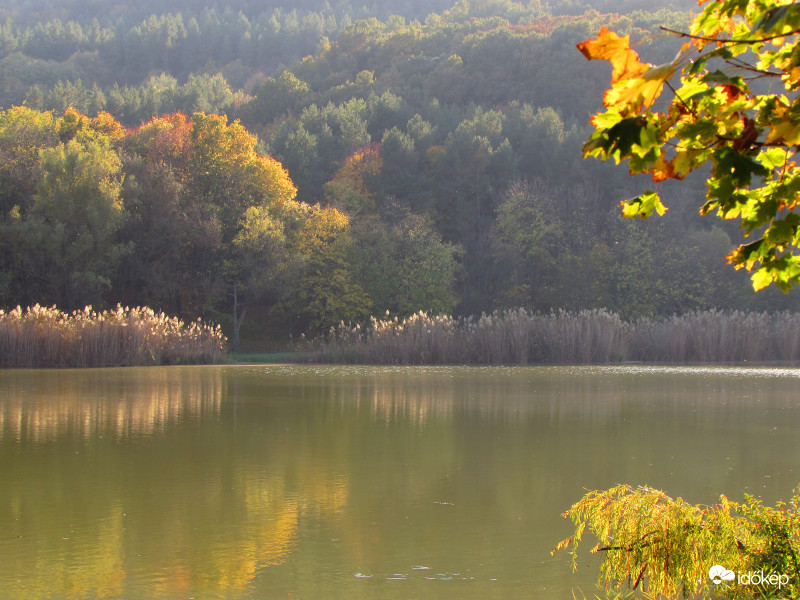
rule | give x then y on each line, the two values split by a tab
47	337
584	337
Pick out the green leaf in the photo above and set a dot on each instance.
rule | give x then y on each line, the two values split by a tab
643	206
607	119
739	167
618	141
779	20
783	231
720	77
691	88
761	279
773	158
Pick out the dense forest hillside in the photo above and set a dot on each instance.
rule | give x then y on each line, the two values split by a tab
431	155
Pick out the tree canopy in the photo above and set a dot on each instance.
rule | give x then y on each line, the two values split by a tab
728	101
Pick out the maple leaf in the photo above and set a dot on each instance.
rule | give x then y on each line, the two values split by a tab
640	91
616	50
643	206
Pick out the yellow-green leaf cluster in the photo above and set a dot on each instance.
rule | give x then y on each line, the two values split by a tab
667	546
702	108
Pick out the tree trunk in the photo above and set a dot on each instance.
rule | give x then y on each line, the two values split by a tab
237	319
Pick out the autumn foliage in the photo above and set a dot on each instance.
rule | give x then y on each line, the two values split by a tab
181	213
708	107
668	547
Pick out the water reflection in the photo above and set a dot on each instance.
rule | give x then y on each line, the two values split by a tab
41	406
254	482
135	483
599	395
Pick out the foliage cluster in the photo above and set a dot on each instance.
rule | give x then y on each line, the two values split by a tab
47	337
185	214
668	546
520	337
717	113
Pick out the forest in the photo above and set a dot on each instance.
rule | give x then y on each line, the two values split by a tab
281	169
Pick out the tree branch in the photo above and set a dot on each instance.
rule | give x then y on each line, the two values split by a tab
727	41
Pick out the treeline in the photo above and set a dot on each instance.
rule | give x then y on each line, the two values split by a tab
476	125
123	63
183	214
116	56
122	45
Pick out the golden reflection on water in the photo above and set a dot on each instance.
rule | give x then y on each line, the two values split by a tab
110	403
115	516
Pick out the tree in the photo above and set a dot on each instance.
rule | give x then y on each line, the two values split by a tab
259	264
326	292
69	250
404	266
220	200
529	247
24	133
718	114
352	187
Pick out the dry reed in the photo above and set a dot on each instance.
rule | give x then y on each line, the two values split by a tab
47	337
584	337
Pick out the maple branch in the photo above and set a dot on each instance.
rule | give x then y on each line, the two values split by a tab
686	106
740	64
727	41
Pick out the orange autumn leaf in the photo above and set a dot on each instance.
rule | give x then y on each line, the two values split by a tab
664	169
616	50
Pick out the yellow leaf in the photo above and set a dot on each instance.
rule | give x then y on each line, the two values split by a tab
663	169
792	76
617	50
637	93
787	131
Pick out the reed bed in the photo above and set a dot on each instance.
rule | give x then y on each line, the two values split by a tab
520	337
47	337
716	336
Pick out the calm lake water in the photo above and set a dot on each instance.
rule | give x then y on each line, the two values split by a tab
277	482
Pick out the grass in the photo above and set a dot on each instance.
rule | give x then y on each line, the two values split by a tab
585	337
47	337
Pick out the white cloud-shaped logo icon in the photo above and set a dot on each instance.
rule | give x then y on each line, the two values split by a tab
718	574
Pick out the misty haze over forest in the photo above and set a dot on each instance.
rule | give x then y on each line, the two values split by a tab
388	156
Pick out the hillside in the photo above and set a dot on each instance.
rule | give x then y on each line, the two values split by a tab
436	161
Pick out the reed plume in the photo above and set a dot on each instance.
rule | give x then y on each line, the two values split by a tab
47	337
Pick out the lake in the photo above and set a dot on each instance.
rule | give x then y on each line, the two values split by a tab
328	482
